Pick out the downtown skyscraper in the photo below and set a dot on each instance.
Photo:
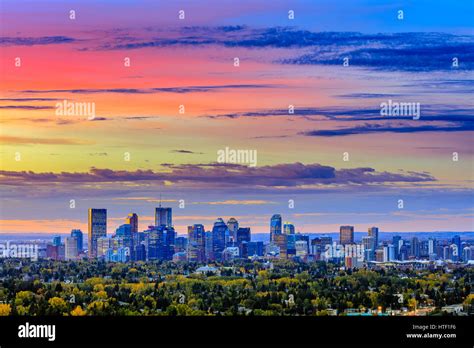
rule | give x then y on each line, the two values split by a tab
196	243
97	229
275	226
163	216
346	235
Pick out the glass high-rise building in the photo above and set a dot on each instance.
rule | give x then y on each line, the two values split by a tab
208	248
275	226
233	226
196	243
163	216
57	241
70	247
219	232
132	220
288	228
369	248
80	239
415	247
281	240
374	232
97	228
346	235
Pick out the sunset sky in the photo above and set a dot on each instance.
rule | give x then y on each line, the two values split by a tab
47	160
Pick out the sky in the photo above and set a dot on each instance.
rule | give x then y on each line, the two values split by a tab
168	97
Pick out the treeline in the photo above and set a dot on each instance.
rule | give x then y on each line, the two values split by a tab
240	288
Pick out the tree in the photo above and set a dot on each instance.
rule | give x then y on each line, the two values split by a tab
78	312
5	309
57	305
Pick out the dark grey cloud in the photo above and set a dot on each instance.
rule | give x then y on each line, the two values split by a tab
225	175
381	128
32	41
186	152
370	95
179	90
383	51
28	99
433	118
348	113
419	56
26	107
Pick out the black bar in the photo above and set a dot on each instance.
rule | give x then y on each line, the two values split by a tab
242	331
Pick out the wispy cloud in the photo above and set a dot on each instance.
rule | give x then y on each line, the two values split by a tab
186	152
237	202
179	90
413	51
381	128
32	141
32	41
26	107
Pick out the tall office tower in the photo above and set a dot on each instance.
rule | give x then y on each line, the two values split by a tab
301	247
208	248
424	252
132	220
169	237
374	232
299	237
281	241
163	216
180	244
196	243
97	228
159	242
104	244
80	239
290	244
71	248
125	232
275	226
369	248
255	249
288	228
432	248
57	241
346	235
391	252
233	226
457	241
219	232
243	237
397	243
415	247
153	242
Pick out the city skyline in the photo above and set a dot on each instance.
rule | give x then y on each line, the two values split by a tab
229	240
306	95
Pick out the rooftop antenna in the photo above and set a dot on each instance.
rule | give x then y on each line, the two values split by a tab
160	200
